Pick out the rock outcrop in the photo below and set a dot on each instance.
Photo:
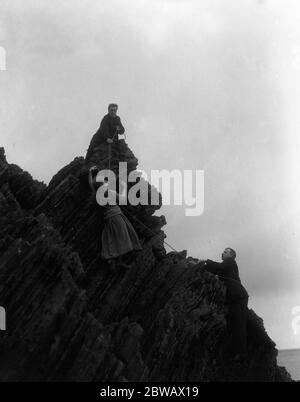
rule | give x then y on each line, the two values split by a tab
70	318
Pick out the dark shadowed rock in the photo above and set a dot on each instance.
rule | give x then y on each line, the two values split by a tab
70	318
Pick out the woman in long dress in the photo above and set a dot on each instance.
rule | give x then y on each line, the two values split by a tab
118	236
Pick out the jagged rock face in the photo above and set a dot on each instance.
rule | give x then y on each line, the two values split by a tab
70	318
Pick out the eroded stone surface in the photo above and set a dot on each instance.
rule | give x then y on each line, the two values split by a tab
70	318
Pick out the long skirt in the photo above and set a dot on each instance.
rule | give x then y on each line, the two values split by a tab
118	237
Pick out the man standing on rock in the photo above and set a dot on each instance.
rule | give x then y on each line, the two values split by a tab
237	298
108	131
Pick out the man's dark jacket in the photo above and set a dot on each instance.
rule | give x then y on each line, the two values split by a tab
228	273
107	129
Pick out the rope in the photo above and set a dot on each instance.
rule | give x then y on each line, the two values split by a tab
109	149
134	217
109	155
152	231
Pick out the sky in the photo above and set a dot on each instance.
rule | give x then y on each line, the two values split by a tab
212	85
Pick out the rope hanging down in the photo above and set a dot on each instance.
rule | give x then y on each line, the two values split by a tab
109	155
109	148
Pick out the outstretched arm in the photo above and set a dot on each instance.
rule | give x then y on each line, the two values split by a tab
209	266
114	195
212	267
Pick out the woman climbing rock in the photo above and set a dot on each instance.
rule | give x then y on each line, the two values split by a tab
118	236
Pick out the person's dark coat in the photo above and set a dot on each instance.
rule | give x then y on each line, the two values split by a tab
237	299
107	129
228	273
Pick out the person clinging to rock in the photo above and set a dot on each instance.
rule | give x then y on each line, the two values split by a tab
236	297
108	131
119	237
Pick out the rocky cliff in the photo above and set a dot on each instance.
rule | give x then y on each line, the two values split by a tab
69	317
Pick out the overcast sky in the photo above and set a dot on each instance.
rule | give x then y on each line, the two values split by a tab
204	84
